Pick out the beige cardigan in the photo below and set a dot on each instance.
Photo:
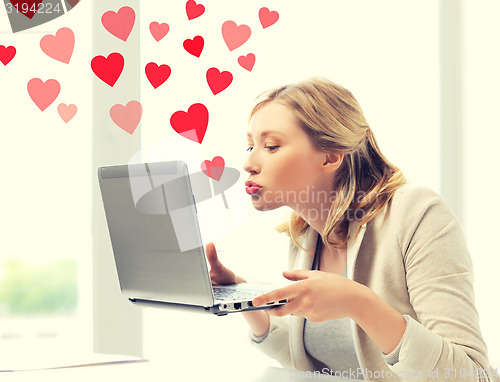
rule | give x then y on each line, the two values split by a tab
413	255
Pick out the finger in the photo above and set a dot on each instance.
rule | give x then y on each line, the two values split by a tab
291	307
298	274
212	257
276	295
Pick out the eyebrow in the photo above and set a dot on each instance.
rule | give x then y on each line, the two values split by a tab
266	133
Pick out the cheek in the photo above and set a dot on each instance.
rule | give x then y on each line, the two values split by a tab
293	168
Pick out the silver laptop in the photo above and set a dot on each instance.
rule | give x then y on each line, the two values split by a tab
159	255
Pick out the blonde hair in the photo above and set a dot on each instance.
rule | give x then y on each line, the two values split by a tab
334	121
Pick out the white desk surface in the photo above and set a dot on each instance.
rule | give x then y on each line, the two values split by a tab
155	371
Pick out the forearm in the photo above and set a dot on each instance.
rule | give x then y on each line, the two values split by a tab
382	323
258	321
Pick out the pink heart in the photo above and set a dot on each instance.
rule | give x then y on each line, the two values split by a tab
59	47
218	81
43	93
120	23
127	117
268	18
66	112
213	168
158	31
194	10
193	124
7	54
247	62
235	35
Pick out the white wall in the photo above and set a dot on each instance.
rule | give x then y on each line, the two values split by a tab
481	183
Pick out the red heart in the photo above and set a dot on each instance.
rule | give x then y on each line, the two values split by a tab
193	124
28	10
120	23
247	62
235	35
214	168
157	75
73	2
108	69
218	81
268	18
7	54
194	46
194	10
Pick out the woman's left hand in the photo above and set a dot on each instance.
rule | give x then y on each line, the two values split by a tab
317	296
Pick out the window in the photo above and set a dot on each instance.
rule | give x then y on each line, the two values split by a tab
45	251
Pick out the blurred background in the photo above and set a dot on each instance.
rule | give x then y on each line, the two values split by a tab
425	73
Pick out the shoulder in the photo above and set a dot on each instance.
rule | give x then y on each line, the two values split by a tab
419	214
414	208
413	202
414	193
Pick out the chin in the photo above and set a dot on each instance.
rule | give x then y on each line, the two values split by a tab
259	205
261	208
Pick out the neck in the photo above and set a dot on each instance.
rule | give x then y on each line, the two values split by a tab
315	209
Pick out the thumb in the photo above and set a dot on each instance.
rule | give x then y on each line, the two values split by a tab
298	274
212	256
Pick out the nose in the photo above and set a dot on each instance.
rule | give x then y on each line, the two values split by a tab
251	165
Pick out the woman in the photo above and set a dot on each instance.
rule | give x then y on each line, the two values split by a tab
384	285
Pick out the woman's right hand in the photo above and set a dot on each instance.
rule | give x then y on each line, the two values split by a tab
219	274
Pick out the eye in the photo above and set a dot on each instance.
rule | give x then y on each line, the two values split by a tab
272	148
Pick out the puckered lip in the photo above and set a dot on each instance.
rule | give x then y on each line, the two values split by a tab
249	183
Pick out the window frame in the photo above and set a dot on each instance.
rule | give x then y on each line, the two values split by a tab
117	324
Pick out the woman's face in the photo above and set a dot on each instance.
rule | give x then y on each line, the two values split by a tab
282	160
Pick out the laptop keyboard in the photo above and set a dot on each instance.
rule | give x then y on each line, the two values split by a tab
227	294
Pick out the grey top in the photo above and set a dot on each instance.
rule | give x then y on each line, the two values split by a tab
330	342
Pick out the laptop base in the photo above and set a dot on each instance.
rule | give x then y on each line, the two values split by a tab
190	308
